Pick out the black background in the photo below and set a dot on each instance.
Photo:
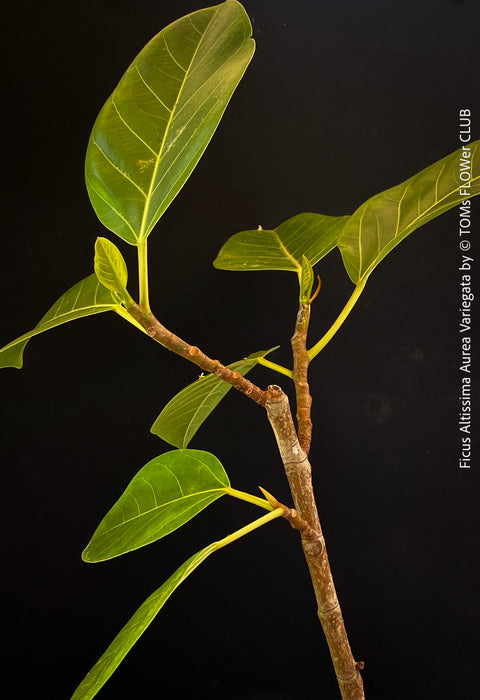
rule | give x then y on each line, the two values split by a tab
342	100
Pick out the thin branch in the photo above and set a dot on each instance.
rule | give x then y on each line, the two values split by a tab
172	342
301	361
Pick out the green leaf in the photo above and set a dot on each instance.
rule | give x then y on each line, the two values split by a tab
306	281
111	268
83	299
383	221
135	627
185	413
165	494
157	123
312	235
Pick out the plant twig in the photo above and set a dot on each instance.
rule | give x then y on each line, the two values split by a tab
298	471
301	361
172	342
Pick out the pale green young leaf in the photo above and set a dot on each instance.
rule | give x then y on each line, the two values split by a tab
166	493
383	221
83	299
282	248
111	268
306	280
157	123
135	627
185	413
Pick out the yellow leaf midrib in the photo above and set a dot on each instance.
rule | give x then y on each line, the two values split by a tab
151	189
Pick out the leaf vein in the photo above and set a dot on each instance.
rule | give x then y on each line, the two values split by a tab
122	172
124	121
165	506
153	188
176	479
171	54
110	205
195	28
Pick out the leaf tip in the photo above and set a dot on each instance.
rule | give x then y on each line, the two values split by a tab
87	556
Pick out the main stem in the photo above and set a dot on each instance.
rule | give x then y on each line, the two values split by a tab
298	471
294	447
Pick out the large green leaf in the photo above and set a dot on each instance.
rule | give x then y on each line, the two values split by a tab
135	627
185	413
383	221
155	126
83	299
166	493
282	248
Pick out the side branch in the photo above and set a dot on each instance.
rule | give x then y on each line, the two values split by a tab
172	342
298	471
301	361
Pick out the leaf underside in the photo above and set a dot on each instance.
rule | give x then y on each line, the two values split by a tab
383	221
157	123
135	627
166	493
310	235
184	414
83	299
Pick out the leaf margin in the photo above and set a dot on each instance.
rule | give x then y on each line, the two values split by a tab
107	542
279	238
353	260
140	620
45	323
104	203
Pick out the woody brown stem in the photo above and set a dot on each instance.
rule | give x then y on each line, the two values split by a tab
301	362
298	471
297	467
172	342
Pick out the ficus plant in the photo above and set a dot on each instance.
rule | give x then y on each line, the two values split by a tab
144	145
